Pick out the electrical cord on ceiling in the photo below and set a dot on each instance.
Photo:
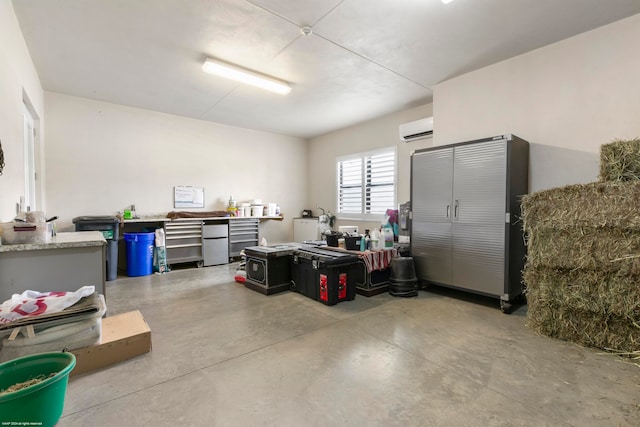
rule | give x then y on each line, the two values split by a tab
1	159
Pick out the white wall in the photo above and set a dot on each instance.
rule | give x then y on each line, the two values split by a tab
566	99
371	135
103	157
17	77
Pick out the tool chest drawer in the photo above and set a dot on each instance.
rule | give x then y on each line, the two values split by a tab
242	233
183	241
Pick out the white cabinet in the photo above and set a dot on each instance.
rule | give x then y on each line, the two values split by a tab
305	229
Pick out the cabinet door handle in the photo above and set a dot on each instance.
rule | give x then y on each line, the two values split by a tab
455	210
448	210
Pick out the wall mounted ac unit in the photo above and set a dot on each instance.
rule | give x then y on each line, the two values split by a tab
418	129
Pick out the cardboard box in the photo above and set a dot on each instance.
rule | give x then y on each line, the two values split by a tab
124	336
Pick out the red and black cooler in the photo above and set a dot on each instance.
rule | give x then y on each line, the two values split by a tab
324	275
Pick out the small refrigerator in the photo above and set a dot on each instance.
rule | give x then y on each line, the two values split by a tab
215	244
305	229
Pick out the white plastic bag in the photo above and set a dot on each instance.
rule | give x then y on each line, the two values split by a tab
160	253
34	303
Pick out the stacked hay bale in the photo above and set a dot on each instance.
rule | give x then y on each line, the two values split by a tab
582	274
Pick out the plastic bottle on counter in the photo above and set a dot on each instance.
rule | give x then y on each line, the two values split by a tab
387	233
375	238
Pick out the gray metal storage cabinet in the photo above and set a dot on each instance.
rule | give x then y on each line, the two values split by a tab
243	232
466	232
183	240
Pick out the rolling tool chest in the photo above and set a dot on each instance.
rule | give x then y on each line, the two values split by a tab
268	268
324	275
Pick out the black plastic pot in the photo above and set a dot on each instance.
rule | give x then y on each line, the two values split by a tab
403	270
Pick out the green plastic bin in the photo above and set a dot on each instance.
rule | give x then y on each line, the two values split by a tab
39	404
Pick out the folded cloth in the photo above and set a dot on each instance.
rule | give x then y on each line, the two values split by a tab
379	259
31	304
87	308
183	214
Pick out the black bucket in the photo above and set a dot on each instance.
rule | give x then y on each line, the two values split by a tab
403	281
403	270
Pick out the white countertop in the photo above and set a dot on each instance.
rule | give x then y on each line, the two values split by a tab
213	218
74	239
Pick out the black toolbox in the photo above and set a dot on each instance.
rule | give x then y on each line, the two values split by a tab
324	275
268	268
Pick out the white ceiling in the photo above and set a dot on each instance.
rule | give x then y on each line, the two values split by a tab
365	58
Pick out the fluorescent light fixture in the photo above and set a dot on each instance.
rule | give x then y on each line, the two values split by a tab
446	1
241	75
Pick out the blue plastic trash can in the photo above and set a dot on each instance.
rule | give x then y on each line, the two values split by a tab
139	253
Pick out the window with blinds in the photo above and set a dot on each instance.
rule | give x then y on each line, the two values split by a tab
367	182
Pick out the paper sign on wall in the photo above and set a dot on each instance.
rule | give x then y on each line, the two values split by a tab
188	197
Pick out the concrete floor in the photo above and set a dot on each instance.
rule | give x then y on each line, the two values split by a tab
224	355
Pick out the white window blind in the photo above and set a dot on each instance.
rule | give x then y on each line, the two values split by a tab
367	182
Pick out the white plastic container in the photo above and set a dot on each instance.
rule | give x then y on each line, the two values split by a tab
271	209
375	239
256	210
26	232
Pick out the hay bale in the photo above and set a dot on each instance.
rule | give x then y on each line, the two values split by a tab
605	331
598	204
620	161
583	263
604	249
586	291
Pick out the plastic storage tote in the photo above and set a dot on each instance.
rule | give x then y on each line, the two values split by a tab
25	232
139	253
109	227
324	275
268	268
